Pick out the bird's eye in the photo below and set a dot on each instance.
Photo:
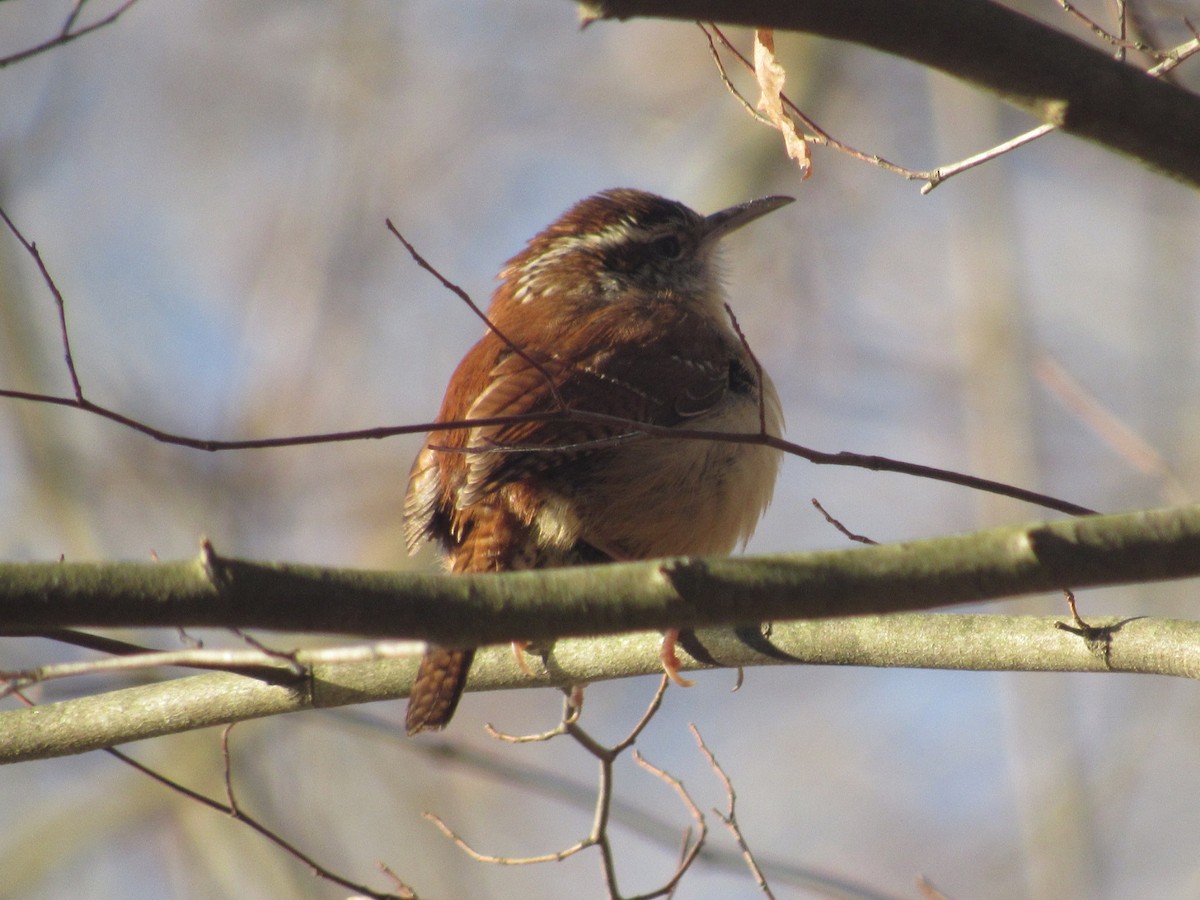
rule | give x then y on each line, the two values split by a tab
667	247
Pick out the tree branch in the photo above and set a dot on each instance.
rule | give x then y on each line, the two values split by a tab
923	640
1056	78
66	35
471	610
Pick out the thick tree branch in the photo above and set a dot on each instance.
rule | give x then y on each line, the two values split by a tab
1055	77
1102	550
470	610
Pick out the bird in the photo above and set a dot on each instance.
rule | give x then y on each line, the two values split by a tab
616	308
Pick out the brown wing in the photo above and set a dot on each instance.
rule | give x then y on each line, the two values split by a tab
503	453
646	369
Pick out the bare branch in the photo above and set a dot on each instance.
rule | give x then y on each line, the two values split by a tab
66	35
933	178
818	135
227	765
987	642
1121	43
256	663
651	711
847	533
232	810
630	429
1053	76
32	250
690	852
455	610
491	326
254	825
941	173
466	848
598	835
729	817
569	715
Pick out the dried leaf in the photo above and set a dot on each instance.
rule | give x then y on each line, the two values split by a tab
770	75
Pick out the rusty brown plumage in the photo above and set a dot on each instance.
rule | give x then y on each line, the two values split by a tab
617	308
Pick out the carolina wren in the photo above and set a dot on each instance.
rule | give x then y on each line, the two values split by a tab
620	305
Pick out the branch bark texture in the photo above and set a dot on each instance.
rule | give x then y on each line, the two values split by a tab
472	610
922	640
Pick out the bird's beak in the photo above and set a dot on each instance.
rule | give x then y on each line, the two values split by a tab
719	224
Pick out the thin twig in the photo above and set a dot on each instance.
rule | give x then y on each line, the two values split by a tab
241	662
729	817
406	893
491	326
684	843
65	36
728	82
598	835
257	663
569	715
287	657
32	250
76	9
690	854
493	732
1122	27
758	370
1098	638
227	766
650	827
1118	41
857	538
250	822
817	457
941	173
85	640
1172	59
934	177
818	134
1071	605
466	848
254	825
1176	55
560	413
651	711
